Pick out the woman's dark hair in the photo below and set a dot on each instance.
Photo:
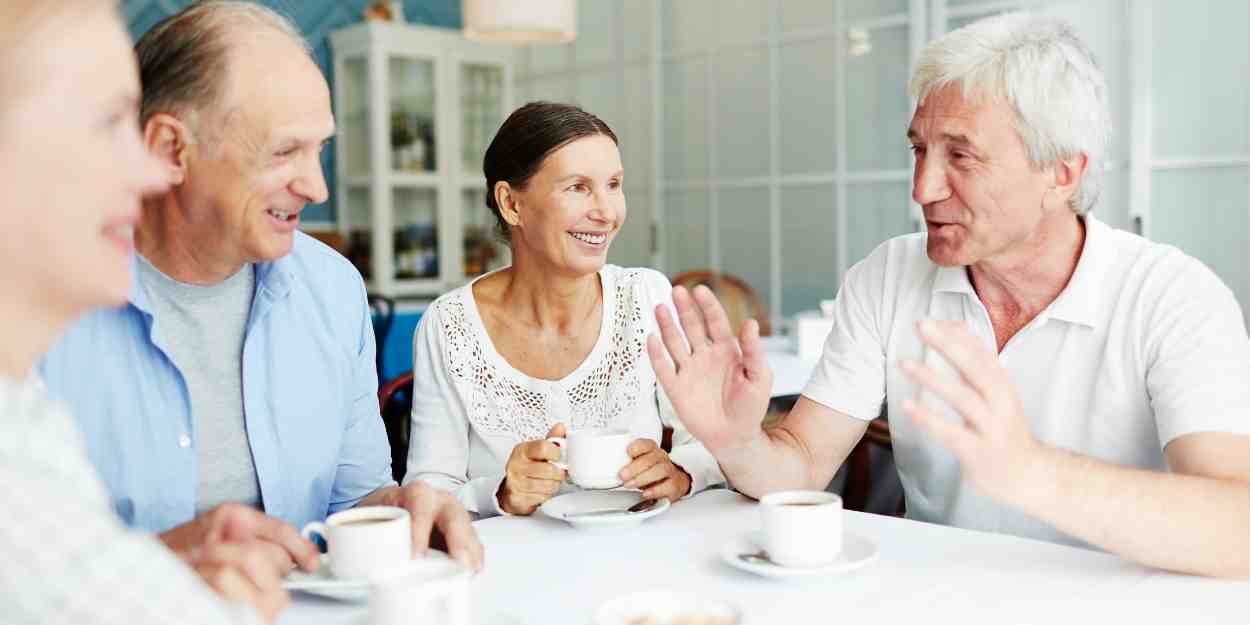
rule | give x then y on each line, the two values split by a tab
526	138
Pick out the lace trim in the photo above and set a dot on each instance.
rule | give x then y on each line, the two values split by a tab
499	406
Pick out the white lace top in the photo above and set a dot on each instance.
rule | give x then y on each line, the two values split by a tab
471	408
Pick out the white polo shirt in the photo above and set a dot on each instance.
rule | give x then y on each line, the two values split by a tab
1144	345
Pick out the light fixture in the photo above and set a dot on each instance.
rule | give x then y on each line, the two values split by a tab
518	22
859	41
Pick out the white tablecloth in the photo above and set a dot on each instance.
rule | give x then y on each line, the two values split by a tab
543	572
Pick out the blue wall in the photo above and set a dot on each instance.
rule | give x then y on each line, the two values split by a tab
316	19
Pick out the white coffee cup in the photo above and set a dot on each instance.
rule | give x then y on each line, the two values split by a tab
802	528
593	457
365	541
431	590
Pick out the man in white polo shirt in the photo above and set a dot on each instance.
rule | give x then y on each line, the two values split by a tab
1103	380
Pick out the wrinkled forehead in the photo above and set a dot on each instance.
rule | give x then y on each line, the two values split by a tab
284	95
953	111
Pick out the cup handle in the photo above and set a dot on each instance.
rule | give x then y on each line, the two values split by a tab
315	527
559	441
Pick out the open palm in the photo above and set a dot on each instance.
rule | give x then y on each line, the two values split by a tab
718	385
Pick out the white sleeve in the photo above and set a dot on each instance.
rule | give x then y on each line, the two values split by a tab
688	453
851	375
438	444
1198	355
68	558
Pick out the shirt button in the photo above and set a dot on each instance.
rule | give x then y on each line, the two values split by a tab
184	441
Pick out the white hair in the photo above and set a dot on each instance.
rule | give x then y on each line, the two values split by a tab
1047	75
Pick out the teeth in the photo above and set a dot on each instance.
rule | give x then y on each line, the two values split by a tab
280	214
593	239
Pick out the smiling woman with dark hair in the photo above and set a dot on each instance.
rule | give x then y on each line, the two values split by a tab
553	342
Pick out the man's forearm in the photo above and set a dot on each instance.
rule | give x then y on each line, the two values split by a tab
775	460
1170	521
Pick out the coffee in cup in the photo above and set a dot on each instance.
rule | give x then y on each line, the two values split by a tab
802	528
365	541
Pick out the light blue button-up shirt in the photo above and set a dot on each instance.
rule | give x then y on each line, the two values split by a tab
309	397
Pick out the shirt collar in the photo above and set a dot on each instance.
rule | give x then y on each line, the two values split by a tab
275	277
1078	302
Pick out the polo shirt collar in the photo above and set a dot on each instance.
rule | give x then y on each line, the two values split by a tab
1079	301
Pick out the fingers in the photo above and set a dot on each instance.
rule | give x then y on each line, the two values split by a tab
259	579
713	314
540	451
691	318
665	372
976	363
419	499
674	342
531	486
953	436
754	360
558	430
642	446
958	395
297	549
456	527
632	473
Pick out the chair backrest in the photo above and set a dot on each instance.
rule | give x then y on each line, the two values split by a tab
741	302
859	478
383	310
395	401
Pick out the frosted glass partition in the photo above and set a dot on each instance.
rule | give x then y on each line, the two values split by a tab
595	43
808	260
1203	212
689	24
1201	64
741	21
807	82
878	109
686	231
742	113
548	58
637	28
868	9
800	16
744	241
635	133
874	213
685	120
600	92
1112	207
632	246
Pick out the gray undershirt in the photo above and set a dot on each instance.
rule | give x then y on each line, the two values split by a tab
201	328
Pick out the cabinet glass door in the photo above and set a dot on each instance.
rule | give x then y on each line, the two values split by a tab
481	110
412	111
354	117
416	233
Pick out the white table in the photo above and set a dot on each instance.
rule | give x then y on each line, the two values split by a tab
543	572
790	372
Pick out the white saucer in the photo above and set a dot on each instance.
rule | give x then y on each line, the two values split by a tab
857	551
324	583
561	506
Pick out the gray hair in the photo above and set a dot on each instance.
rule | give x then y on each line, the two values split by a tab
1045	73
183	58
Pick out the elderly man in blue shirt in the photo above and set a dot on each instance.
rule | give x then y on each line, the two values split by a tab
240	376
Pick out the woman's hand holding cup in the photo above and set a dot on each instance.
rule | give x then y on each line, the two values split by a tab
530	477
653	471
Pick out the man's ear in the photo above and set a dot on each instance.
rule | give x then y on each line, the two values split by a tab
168	139
1068	176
